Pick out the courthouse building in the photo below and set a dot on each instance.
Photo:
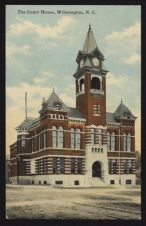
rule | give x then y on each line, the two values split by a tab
82	146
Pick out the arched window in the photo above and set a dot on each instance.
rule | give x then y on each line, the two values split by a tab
54	136
78	139
82	84
124	142
108	142
129	142
72	136
113	141
60	137
92	136
95	83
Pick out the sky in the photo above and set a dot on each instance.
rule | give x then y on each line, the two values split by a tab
41	51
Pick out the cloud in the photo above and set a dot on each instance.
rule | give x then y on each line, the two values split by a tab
129	39
115	80
133	59
27	26
12	49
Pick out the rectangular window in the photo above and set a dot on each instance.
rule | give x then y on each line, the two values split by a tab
113	141
23	141
112	166
76	182
128	181
98	109
45	182
100	136
72	166
58	182
112	181
92	136
79	166
62	165
55	168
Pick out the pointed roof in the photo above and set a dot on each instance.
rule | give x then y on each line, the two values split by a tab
54	99
26	123
123	112
90	42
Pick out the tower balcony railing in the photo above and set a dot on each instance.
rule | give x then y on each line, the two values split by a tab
96	91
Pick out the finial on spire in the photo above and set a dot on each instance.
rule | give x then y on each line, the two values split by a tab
121	101
89	27
53	89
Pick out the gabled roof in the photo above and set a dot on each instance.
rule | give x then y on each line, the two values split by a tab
123	112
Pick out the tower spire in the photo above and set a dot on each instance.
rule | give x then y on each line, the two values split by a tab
90	42
25	105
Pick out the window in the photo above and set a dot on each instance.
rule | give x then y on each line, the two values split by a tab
128	166
112	181
92	136
108	142
39	142
112	166
32	144
62	165
128	181
45	140
127	142
113	144
55	168
78	139
60	137
72	166
98	109
58	182
72	135
39	182
124	142
100	136
76	182
45	182
54	136
23	141
79	166
82	84
95	83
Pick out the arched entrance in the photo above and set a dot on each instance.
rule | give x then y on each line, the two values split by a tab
96	169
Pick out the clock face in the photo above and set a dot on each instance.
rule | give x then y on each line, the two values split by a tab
95	61
81	63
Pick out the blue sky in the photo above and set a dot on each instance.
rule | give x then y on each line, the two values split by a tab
41	50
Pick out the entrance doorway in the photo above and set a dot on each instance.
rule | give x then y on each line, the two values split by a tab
96	169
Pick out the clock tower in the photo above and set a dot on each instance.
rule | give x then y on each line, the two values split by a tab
91	82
